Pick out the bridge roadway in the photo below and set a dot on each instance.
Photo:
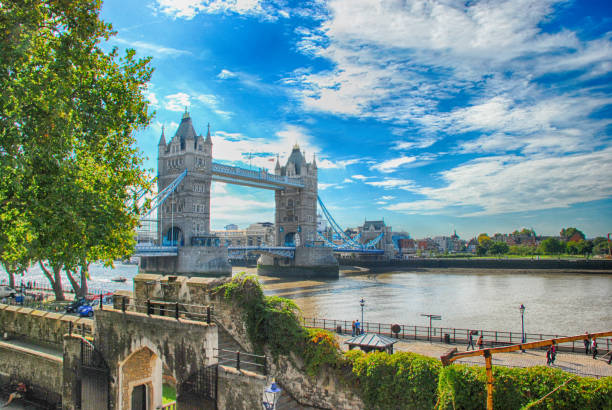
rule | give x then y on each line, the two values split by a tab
256	179
239	252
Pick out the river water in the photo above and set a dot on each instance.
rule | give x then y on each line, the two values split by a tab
556	303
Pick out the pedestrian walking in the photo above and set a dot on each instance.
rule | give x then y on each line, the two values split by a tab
470	341
594	348
553	353
353	329
357	330
548	355
587	343
480	342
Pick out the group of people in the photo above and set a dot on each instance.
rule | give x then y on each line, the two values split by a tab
479	342
356	328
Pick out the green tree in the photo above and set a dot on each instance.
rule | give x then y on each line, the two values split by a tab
552	246
68	111
499	248
484	244
567	233
599	245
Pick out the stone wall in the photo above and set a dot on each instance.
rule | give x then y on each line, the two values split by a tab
239	390
41	372
191	260
38	326
183	346
309	262
194	291
326	390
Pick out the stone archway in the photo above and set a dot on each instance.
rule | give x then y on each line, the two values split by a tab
174	237
140	372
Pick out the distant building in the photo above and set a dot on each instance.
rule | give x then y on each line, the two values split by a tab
231	227
257	234
321	224
371	230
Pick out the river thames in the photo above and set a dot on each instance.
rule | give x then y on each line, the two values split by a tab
556	303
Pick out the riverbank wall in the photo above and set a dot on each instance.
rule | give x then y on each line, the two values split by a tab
602	265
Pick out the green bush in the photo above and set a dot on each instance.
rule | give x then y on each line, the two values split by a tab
464	387
274	322
401	380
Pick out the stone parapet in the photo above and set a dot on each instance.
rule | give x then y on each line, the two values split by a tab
191	261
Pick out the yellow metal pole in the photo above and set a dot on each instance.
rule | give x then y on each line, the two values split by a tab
489	367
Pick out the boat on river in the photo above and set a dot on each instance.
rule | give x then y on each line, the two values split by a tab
119	279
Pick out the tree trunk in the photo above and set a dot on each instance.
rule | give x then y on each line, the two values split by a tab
55	279
84	277
11	274
73	282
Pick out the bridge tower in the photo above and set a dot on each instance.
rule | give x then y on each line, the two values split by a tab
185	215
183	219
296	208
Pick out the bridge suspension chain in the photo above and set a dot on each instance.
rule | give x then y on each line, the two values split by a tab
347	240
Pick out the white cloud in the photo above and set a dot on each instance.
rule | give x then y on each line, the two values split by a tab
396	60
323	186
177	102
416	144
360	177
392	164
154	50
507	183
188	9
393	183
225	74
347	181
387	197
245	209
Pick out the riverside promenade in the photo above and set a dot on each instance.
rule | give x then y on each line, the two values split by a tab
577	363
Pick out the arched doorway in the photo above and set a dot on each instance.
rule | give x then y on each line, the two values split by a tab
141	380
174	237
290	239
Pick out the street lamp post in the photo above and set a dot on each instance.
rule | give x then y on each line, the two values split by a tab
270	396
522	310
362	304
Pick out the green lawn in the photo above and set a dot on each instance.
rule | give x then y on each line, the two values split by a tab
168	394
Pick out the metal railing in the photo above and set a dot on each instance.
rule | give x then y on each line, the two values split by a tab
491	338
176	310
257	175
168	406
237	359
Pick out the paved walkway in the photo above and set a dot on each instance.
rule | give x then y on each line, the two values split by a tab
580	364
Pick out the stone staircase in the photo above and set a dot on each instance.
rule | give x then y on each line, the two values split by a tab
226	354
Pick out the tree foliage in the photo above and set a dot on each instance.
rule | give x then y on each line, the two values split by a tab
568	233
68	111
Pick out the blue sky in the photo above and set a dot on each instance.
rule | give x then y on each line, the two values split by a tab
479	116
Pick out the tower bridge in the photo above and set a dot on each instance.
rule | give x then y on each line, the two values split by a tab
184	243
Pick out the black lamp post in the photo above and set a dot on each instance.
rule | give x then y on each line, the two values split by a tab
362	303
522	309
270	396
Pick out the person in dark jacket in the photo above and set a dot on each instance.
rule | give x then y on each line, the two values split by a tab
587	344
470	341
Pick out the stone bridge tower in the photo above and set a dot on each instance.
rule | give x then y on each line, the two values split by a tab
185	215
296	208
